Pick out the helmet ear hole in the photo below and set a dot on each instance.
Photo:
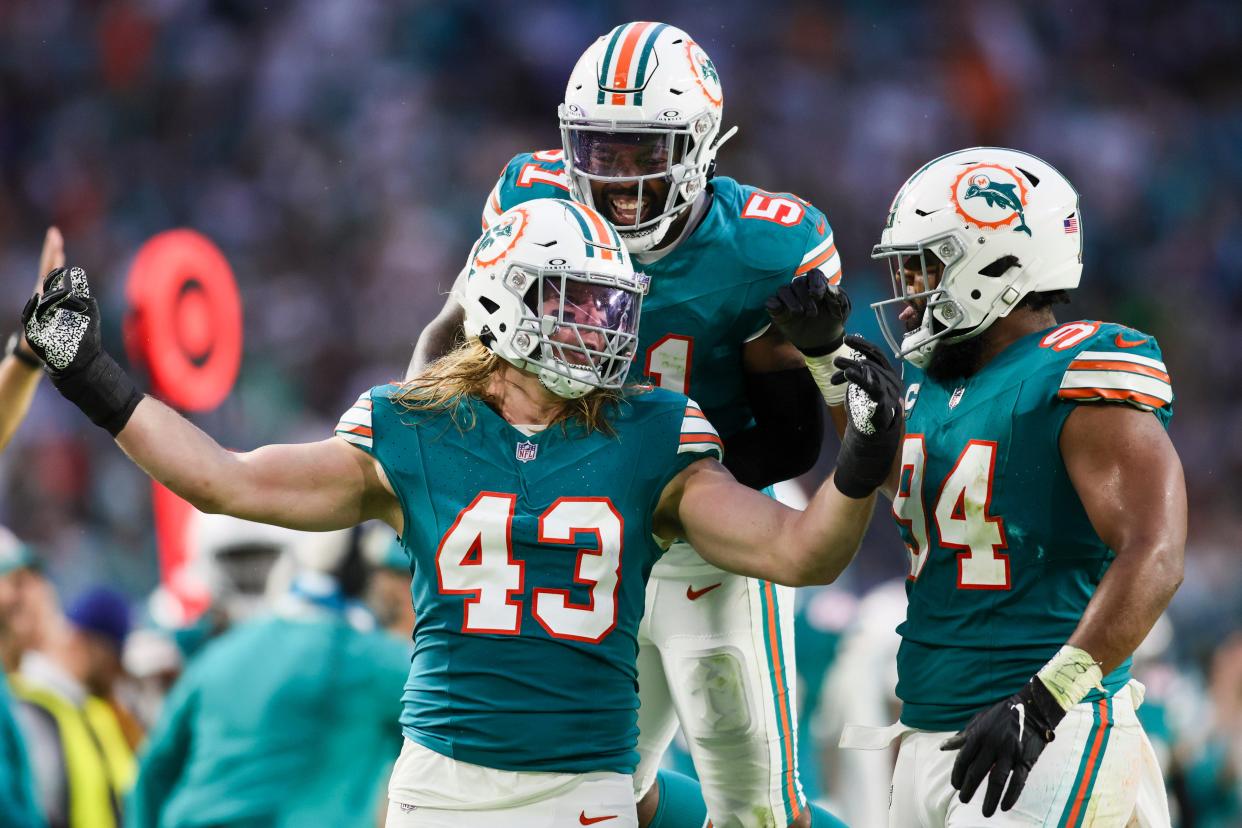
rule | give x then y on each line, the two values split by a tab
974	294
489	305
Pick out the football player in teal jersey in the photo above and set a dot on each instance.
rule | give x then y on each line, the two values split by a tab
641	124
1041	502
533	490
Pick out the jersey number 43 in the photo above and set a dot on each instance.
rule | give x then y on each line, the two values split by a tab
960	513
475	559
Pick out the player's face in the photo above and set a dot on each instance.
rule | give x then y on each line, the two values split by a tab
626	155
917	280
592	311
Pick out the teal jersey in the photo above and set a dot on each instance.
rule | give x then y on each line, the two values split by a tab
706	295
1003	558
278	722
530	557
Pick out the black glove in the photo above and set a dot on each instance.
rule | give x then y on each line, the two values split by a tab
62	327
873	419
1005	739
810	313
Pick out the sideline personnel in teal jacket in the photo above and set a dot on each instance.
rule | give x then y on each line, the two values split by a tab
287	720
18	807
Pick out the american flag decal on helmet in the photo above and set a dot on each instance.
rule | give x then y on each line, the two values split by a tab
1071	224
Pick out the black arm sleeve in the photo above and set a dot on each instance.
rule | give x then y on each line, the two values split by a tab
784	442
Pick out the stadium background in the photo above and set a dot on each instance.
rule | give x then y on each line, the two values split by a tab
339	152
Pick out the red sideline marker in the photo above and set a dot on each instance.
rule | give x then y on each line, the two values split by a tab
185	326
185	321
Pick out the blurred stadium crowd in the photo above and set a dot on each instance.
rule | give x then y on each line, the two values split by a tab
339	152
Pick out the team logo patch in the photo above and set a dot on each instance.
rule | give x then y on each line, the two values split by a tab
704	73
956	397
526	451
990	196
500	239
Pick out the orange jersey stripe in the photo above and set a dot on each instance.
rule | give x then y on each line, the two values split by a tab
835	279
361	431
1110	394
782	700
623	61
601	233
1092	757
1118	365
702	438
694	412
817	261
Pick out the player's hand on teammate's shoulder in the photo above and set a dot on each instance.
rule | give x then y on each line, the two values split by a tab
873	414
1002	744
810	313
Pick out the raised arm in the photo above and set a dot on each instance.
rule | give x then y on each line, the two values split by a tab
313	486
310	486
20	368
741	530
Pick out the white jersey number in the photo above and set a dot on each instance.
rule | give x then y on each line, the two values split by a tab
668	363
532	174
773	208
475	559
960	513
908	501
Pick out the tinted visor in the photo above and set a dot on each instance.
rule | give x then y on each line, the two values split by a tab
585	324
623	154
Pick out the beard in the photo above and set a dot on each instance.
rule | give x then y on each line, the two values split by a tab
955	360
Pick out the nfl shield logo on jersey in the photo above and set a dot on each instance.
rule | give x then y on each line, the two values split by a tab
957	396
526	451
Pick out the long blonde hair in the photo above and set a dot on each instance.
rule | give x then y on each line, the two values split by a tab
466	371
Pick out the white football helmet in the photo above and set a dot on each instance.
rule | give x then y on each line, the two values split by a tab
550	288
235	559
643	103
1003	224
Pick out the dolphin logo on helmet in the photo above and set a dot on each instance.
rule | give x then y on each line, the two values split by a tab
1002	200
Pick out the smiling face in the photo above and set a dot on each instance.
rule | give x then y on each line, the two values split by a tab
588	324
629	173
586	318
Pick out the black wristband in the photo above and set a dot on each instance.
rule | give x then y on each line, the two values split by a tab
862	466
14	349
102	390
